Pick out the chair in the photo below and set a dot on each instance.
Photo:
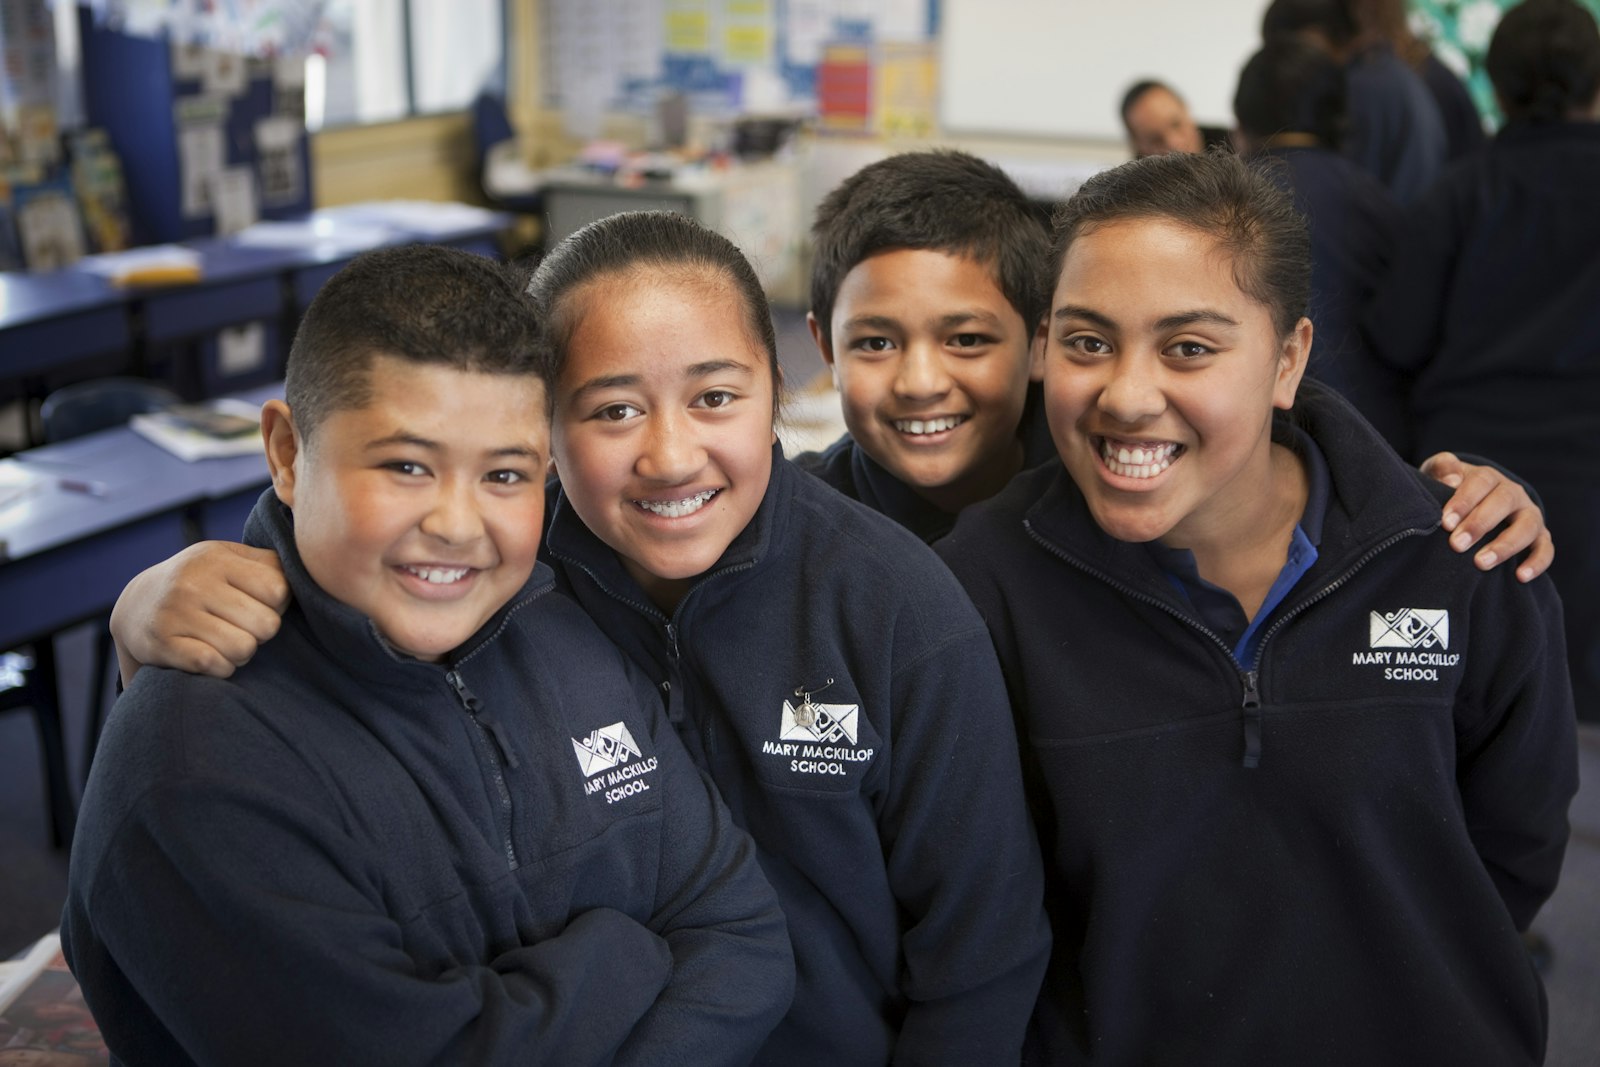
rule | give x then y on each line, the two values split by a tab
73	411
491	126
29	680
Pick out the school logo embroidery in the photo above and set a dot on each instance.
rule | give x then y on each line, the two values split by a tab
823	723
605	748
1410	645
1411	628
818	738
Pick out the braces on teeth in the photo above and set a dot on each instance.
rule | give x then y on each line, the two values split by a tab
676	509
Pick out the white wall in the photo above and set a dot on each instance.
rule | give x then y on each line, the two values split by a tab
1058	68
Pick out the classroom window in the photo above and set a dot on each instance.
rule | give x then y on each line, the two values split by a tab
388	61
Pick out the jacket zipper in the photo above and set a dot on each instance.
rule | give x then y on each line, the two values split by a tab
496	747
1250	705
673	630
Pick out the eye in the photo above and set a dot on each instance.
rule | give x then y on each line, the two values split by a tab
970	340
506	477
406	467
717	398
1191	350
872	344
1086	344
618	413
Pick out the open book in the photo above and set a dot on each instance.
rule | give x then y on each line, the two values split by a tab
223	427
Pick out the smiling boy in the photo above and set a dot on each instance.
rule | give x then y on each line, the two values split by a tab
925	291
438	819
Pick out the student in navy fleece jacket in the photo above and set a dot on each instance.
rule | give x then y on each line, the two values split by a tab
820	663
818	660
1303	772
439	819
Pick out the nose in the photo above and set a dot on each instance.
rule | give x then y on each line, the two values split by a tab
454	518
1132	390
921	374
672	451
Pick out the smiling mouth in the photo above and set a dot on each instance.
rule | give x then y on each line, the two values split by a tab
677	509
924	427
437	575
1137	459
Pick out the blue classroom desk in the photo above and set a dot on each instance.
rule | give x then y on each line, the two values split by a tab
49	322
68	554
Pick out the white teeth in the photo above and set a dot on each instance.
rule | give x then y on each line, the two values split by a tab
439	575
1141	461
922	426
677	509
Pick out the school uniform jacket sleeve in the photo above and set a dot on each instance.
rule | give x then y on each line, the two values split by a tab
732	969
261	934
976	941
1516	764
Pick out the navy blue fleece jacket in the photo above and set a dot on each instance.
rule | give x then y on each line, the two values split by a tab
345	855
1355	897
888	809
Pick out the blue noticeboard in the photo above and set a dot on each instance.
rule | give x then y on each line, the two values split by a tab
131	90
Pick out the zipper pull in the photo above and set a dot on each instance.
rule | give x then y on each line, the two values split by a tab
1252	722
474	708
672	639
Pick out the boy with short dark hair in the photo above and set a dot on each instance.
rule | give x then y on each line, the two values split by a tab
438	820
926	288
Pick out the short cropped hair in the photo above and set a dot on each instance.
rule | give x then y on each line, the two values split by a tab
420	303
1544	60
1217	193
1291	87
632	242
1333	18
941	201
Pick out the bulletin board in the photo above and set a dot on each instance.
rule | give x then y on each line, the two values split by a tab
1058	68
725	55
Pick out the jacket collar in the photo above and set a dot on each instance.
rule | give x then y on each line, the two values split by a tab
350	638
763	537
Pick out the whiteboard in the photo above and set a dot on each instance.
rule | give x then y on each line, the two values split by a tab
1058	68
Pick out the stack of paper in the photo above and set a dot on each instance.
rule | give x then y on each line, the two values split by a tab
204	431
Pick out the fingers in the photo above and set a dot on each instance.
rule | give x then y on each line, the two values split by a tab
1484	499
205	610
258	573
1444	467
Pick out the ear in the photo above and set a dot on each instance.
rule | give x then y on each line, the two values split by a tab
283	446
1292	359
1036	348
824	345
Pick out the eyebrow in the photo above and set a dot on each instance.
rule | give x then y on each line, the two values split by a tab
943	322
693	370
403	438
1166	322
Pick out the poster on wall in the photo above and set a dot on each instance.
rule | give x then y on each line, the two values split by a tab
200	160
283	181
